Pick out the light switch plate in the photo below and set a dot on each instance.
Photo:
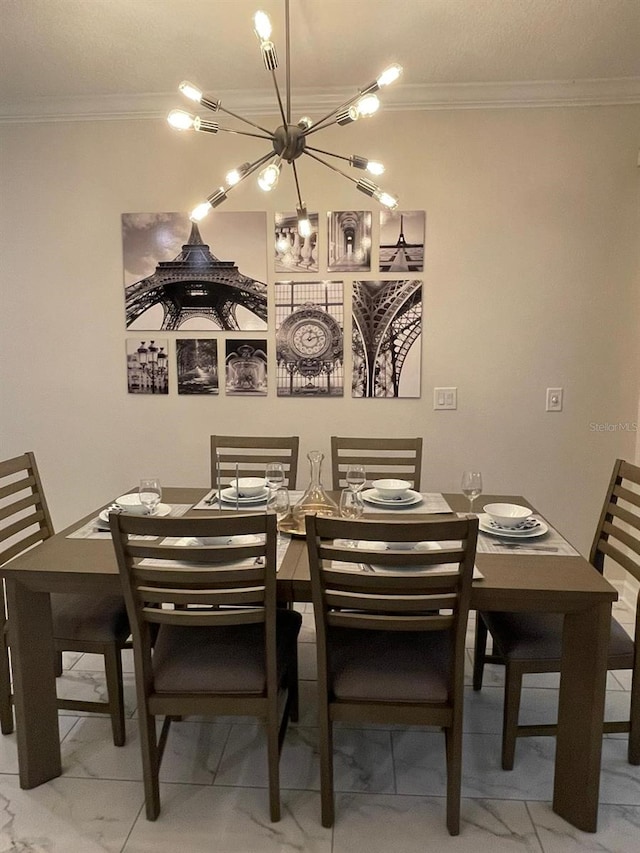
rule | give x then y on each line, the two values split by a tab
555	399
445	398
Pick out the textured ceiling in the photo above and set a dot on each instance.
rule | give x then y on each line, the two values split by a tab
126	53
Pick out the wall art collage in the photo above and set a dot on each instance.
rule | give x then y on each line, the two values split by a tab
199	279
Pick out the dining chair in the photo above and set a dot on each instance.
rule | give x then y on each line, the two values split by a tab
222	645
532	642
81	623
252	453
390	631
381	457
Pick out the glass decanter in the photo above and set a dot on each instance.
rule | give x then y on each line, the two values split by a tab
315	499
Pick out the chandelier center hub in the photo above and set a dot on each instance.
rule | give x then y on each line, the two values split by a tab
289	142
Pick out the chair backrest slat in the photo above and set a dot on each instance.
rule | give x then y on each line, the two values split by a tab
252	454
205	618
385	622
381	457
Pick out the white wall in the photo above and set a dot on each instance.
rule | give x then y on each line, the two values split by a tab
531	280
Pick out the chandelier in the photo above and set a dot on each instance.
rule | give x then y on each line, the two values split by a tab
288	142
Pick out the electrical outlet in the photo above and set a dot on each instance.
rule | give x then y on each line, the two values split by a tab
445	398
555	399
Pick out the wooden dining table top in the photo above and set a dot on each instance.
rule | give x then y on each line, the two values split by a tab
557	582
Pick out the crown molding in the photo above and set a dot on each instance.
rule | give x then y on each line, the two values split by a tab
454	96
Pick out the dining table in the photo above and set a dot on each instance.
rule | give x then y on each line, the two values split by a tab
513	578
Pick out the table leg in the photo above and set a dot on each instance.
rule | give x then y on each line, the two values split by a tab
34	684
580	716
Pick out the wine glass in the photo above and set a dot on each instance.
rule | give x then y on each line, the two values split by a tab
356	477
150	492
279	503
274	475
351	505
471	486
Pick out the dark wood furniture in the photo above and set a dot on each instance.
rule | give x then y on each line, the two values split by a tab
532	642
381	457
220	644
252	453
391	644
568	585
81	623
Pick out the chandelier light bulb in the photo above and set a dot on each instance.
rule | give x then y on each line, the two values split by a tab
180	120
236	175
262	25
386	199
389	75
375	168
368	105
304	223
305	123
200	211
190	91
268	177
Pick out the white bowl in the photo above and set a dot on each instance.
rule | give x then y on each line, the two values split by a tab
248	487
507	515
390	489
131	504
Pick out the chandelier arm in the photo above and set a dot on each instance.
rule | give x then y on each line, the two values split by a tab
287	59
269	138
245	120
295	176
329	166
277	88
329	153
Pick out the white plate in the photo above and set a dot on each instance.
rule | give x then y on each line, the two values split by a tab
229	496
486	527
371	496
161	511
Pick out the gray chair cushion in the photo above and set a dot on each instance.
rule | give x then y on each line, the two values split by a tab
538	636
389	665
228	659
87	618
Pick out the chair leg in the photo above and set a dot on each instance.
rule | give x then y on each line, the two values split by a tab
57	664
273	759
150	763
479	653
6	707
453	744
115	691
325	734
292	684
634	725
511	711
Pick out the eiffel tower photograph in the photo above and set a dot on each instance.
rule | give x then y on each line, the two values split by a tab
179	275
402	240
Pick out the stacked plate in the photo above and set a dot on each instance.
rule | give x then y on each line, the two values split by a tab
231	496
103	518
409	498
528	529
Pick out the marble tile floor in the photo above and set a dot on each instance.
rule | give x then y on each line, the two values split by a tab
390	781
